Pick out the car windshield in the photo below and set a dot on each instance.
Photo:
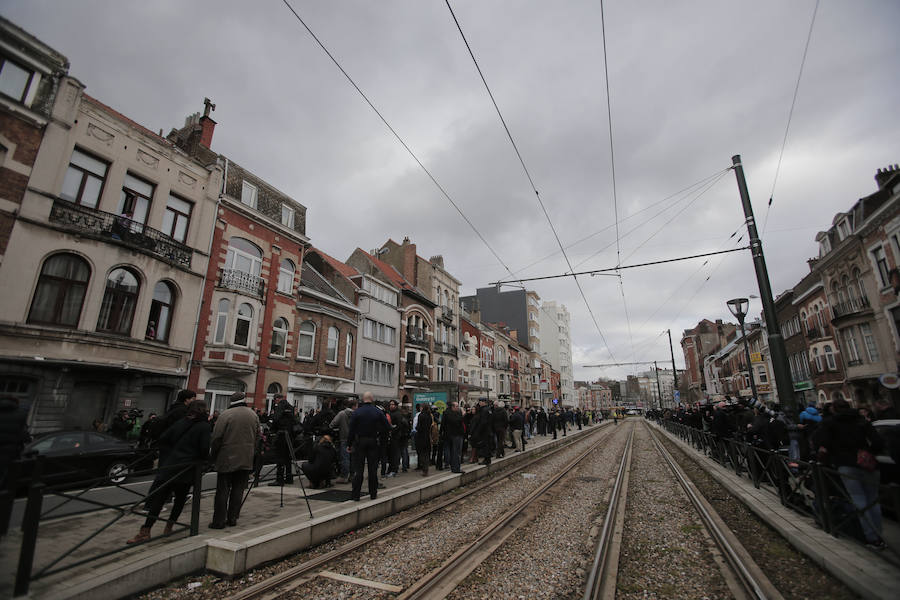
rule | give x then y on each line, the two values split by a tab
60	442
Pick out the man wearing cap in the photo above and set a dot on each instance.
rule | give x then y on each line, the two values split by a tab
232	446
366	423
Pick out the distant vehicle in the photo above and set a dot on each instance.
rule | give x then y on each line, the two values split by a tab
74	456
889	430
632	412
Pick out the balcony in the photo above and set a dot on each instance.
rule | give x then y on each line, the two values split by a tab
241	281
117	229
445	348
814	333
417	371
416	337
447	314
850	307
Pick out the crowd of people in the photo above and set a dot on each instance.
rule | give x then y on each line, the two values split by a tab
833	434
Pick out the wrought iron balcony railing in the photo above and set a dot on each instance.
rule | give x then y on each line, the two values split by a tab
241	281
118	229
851	306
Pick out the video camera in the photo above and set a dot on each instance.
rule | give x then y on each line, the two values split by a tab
135	413
753	403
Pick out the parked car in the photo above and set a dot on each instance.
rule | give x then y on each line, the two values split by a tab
75	456
889	430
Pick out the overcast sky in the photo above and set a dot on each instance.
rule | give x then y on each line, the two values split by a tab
691	84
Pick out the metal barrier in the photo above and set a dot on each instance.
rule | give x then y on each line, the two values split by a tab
810	488
38	489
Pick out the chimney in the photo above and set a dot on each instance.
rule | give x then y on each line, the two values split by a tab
409	260
884	175
207	125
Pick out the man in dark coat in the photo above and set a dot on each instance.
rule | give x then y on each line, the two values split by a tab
453	435
186	441
500	422
516	426
13	434
176	412
282	427
423	438
366	423
840	440
320	468
482	432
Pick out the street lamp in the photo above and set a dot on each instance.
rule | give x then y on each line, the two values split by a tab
738	307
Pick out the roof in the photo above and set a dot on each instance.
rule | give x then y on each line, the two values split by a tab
314	280
390	272
122	117
342	268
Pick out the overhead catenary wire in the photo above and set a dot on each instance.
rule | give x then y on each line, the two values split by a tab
787	128
607	270
684	190
406	147
527	174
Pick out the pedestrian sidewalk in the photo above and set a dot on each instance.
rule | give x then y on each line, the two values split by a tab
869	574
273	524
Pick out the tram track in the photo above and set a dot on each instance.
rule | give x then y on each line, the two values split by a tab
742	575
295	577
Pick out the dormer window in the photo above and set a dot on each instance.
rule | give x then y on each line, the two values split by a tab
248	194
843	230
824	247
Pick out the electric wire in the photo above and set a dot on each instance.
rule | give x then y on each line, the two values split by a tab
635	266
527	174
397	136
790	114
632	215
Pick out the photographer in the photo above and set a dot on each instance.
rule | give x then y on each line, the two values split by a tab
283	424
121	425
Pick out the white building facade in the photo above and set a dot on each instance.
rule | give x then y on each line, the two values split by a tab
556	346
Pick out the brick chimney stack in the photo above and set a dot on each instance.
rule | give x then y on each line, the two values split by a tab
207	125
409	260
884	175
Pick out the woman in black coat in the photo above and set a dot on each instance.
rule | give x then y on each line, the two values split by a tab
423	438
188	440
320	469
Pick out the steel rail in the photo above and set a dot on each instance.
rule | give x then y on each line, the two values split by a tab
444	579
597	579
745	569
287	576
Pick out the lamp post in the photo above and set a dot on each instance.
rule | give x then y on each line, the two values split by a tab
738	307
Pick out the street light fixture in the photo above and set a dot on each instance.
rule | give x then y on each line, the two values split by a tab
739	307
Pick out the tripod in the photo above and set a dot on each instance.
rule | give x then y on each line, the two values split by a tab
297	471
295	464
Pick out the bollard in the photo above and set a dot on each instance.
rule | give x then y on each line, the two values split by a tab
195	499
30	524
8	495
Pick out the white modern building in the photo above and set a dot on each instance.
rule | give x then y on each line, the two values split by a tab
556	346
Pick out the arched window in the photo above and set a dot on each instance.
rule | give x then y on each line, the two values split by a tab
822	398
805	322
279	336
861	287
348	351
243	256
849	289
274	388
818	360
286	276
218	392
829	358
446	299
440	369
306	340
242	325
837	293
60	290
117	310
333	339
450	371
161	312
222	321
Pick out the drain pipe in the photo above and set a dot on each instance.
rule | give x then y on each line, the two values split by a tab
212	236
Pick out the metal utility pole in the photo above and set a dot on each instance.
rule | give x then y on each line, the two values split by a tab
777	351
658	388
674	370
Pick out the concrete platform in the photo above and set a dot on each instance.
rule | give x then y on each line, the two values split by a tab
266	531
869	574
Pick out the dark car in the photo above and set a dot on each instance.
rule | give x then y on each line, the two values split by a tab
74	456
